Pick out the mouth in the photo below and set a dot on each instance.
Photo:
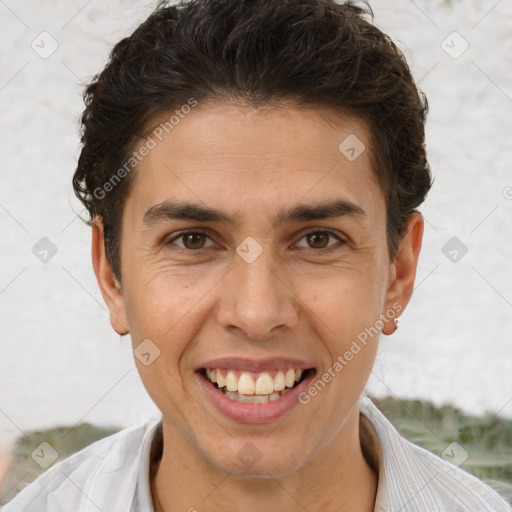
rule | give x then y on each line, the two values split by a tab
248	392
253	387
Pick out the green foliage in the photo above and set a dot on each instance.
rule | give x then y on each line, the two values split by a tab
487	439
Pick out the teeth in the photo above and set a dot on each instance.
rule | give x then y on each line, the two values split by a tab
246	384
279	383
244	399
250	384
264	384
231	381
254	399
290	378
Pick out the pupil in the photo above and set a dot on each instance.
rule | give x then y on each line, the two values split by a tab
193	237
316	236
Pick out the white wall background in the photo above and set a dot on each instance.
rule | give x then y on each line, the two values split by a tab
61	363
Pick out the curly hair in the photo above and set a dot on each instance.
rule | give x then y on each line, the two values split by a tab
260	52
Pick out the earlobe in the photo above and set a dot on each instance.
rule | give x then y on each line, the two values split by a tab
110	288
403	271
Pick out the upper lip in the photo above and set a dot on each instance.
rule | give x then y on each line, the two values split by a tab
256	365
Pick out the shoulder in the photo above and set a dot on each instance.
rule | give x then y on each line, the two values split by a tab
104	475
413	479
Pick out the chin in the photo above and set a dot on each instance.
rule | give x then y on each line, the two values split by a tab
250	459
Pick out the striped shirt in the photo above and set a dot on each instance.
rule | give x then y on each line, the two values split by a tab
112	475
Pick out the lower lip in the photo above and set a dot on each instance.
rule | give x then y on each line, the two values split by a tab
254	413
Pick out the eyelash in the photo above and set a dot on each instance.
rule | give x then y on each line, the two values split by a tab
181	234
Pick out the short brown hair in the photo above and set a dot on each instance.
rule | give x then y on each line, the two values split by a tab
316	52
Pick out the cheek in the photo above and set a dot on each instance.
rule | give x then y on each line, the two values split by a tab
167	308
162	300
345	300
345	310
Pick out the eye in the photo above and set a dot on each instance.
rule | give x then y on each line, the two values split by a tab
192	240
319	239
196	240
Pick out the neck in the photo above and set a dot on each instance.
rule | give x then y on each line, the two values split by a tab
339	478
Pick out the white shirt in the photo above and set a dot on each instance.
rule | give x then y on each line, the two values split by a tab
112	475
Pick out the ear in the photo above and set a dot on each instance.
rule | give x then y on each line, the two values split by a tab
403	271
109	285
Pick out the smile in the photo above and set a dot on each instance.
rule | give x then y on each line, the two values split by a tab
254	388
251	391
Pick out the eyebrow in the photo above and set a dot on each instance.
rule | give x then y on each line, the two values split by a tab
178	210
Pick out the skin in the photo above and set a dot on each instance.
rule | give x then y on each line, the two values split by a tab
297	299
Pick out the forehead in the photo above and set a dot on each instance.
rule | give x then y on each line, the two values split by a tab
256	160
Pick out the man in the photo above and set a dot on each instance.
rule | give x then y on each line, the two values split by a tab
252	170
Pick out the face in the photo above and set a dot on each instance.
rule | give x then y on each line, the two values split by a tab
254	249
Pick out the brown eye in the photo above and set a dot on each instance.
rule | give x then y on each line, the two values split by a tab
192	240
320	240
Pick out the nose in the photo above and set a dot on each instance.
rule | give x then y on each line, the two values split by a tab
257	299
